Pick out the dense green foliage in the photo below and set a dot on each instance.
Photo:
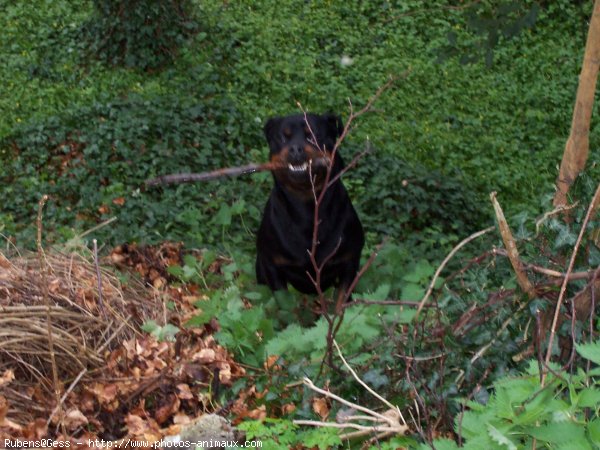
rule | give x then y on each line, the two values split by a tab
87	120
481	128
139	34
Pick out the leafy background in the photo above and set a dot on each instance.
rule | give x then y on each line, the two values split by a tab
449	129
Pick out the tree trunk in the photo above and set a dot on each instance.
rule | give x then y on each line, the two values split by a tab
577	147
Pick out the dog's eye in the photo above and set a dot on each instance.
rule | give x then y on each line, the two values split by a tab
287	133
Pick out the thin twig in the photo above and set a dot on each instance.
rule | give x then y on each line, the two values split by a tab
64	396
544	270
343	401
99	278
344	291
97	227
558	209
365	385
46	296
486	347
365	267
563	287
367	428
460	245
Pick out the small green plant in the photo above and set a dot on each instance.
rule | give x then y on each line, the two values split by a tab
162	333
282	434
563	413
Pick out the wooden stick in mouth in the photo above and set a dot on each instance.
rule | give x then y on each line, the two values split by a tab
211	175
214	174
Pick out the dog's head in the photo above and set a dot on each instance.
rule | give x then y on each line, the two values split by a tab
301	146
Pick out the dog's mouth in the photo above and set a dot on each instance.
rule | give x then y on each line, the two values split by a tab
306	166
299	168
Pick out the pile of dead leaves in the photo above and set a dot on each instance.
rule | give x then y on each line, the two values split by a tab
113	380
149	262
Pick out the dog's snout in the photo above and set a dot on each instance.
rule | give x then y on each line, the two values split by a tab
296	151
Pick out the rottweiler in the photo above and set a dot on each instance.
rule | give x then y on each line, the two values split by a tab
301	146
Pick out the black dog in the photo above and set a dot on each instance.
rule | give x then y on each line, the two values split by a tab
302	148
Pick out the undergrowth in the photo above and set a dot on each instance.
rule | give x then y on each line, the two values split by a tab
462	369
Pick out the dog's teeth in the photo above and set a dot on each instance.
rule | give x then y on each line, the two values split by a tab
301	168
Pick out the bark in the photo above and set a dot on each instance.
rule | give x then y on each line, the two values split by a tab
577	146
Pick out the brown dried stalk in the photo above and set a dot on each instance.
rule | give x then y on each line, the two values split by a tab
511	248
46	296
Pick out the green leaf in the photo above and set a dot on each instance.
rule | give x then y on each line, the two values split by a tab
500	437
223	216
589	398
323	438
412	292
381	293
442	444
162	333
557	432
590	351
422	271
593	430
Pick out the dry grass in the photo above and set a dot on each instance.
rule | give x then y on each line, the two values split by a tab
83	328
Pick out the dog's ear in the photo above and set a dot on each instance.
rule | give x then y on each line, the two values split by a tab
271	128
335	126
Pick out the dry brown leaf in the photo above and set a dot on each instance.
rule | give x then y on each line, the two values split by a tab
271	360
4	262
3	408
184	392
136	425
164	413
74	419
320	407
181	419
7	377
288	408
36	429
206	355
104	393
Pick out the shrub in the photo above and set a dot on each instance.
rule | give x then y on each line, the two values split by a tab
145	34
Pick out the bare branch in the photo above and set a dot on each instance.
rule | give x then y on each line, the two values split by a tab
460	245
563	287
